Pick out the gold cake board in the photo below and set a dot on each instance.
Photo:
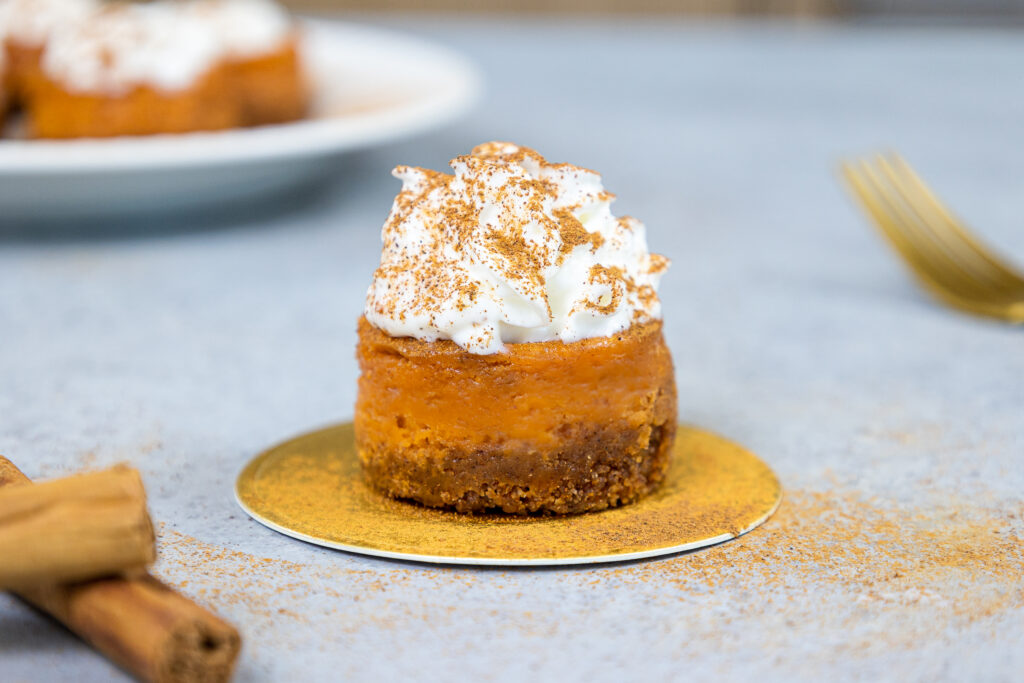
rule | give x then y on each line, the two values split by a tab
311	488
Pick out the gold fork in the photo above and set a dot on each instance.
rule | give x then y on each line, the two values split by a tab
949	261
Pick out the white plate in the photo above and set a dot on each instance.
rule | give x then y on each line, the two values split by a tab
371	86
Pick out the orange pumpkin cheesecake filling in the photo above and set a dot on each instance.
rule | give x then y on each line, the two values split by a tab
511	352
547	426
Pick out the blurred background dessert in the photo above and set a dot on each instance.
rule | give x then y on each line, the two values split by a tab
83	69
131	70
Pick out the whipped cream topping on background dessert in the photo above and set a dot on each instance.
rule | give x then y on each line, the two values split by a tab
246	28
117	49
510	249
30	22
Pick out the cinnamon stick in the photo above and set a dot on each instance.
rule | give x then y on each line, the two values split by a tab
147	628
82	527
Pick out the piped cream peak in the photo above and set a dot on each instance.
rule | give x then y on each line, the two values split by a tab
510	249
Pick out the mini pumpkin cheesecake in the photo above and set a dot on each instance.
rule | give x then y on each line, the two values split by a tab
511	348
132	69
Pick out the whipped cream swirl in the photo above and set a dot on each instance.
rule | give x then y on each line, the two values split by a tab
510	249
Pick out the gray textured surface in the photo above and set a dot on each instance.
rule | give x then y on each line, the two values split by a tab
185	348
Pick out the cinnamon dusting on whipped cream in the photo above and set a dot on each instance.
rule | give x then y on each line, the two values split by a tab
510	249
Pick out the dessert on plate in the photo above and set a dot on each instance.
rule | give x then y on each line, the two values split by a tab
511	348
82	68
132	69
261	43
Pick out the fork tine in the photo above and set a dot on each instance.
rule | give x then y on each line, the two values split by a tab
973	281
867	187
979	257
984	251
928	261
918	250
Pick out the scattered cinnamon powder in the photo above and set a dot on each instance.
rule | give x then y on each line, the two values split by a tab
832	575
874	573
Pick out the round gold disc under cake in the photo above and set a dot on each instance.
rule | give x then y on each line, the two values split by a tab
311	488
